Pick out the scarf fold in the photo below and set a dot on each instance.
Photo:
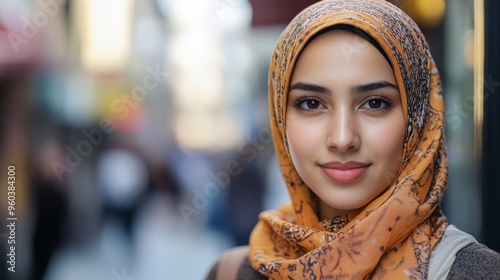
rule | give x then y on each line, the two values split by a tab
393	236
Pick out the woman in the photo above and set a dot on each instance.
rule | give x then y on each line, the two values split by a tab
357	115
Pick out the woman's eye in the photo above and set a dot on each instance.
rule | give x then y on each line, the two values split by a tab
376	104
309	104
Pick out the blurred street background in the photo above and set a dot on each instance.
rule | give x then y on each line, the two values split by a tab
139	131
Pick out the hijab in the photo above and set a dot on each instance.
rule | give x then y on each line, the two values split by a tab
393	236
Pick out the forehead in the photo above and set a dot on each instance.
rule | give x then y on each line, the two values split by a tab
340	55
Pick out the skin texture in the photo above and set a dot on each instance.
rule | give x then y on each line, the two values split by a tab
344	106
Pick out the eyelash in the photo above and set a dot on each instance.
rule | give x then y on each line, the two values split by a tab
387	103
298	103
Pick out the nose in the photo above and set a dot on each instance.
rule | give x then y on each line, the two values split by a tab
343	135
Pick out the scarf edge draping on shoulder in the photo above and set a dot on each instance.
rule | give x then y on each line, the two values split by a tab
444	255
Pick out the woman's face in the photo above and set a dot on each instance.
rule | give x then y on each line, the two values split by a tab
345	122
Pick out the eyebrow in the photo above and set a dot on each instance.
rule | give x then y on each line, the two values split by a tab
309	87
355	89
372	86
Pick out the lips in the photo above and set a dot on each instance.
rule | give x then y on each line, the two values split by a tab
344	172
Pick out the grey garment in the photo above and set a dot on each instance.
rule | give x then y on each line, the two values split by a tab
248	273
245	272
475	261
212	274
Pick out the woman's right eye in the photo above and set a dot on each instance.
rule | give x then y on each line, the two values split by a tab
309	104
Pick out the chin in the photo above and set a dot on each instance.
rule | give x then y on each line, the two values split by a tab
346	206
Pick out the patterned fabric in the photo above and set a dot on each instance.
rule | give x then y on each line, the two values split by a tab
393	236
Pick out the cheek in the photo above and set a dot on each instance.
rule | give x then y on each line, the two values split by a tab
386	141
302	139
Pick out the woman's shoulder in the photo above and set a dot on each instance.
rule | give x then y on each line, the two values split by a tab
233	264
475	261
459	256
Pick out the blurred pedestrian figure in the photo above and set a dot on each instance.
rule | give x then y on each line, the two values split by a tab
243	200
123	178
50	207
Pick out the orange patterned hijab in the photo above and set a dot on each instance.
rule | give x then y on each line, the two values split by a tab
394	235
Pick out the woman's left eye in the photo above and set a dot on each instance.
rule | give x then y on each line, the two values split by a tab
309	104
376	104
